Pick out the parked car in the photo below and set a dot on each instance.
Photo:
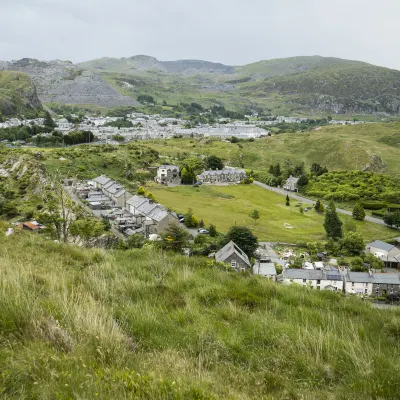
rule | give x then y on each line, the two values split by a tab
203	231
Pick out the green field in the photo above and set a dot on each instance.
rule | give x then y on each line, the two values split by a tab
336	147
230	205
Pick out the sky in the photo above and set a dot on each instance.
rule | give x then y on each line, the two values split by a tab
233	32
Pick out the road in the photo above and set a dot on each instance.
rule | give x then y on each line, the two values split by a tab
308	201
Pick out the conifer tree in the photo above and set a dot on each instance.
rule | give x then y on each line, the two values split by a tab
333	224
359	212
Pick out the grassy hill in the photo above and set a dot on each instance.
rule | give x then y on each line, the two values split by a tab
17	95
299	85
78	323
374	147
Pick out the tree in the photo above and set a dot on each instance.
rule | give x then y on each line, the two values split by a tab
48	121
349	226
118	138
392	219
141	191
9	209
212	230
352	244
333	224
86	229
145	98
150	196
213	162
357	264
242	237
317	170
254	215
135	241
174	238
374	262
188	177
287	200
303	181
359	212
190	220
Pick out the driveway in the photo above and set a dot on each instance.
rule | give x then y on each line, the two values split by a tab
308	201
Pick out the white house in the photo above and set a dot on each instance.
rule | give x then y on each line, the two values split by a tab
291	184
314	279
359	283
386	252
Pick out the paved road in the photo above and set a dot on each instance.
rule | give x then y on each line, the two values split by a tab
308	201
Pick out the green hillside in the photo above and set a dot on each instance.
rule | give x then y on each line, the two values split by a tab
372	147
86	324
17	95
298	85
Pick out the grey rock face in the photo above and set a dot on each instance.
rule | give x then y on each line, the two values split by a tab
65	83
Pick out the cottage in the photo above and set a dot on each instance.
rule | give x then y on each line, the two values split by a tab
232	255
266	268
291	184
386	252
168	174
100	181
314	279
385	284
221	176
121	197
359	283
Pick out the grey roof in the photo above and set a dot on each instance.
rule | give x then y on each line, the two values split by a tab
392	279
378	244
223	172
169	167
109	184
292	179
264	268
228	250
102	179
136	200
309	274
359	277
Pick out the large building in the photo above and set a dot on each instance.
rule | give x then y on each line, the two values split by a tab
222	176
168	174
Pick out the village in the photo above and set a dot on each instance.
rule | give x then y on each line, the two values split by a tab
155	126
135	214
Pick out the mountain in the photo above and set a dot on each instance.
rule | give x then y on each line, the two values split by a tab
17	94
297	85
65	83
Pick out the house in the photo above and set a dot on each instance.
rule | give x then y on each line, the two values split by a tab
386	252
232	255
121	197
151	216
291	184
359	283
100	181
168	174
265	267
224	175
314	279
385	284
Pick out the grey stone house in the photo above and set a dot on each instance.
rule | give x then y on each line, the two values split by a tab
385	284
291	184
232	255
386	252
168	174
224	175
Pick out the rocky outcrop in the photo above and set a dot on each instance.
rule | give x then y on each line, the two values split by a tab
65	83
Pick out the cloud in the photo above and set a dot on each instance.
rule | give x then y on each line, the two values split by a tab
229	31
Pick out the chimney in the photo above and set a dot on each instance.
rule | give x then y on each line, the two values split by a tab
370	273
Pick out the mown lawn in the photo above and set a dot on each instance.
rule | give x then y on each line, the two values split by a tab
225	206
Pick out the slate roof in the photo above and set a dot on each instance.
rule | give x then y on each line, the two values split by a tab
312	274
169	167
378	244
229	249
102	179
223	172
359	277
264	269
391	279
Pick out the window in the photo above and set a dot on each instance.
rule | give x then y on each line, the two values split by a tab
242	269
366	291
304	280
318	282
352	284
233	263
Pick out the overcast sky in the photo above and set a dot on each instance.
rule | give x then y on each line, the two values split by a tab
229	31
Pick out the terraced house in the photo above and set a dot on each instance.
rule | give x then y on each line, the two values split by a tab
222	176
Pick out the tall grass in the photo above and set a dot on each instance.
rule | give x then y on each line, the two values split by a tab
78	323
